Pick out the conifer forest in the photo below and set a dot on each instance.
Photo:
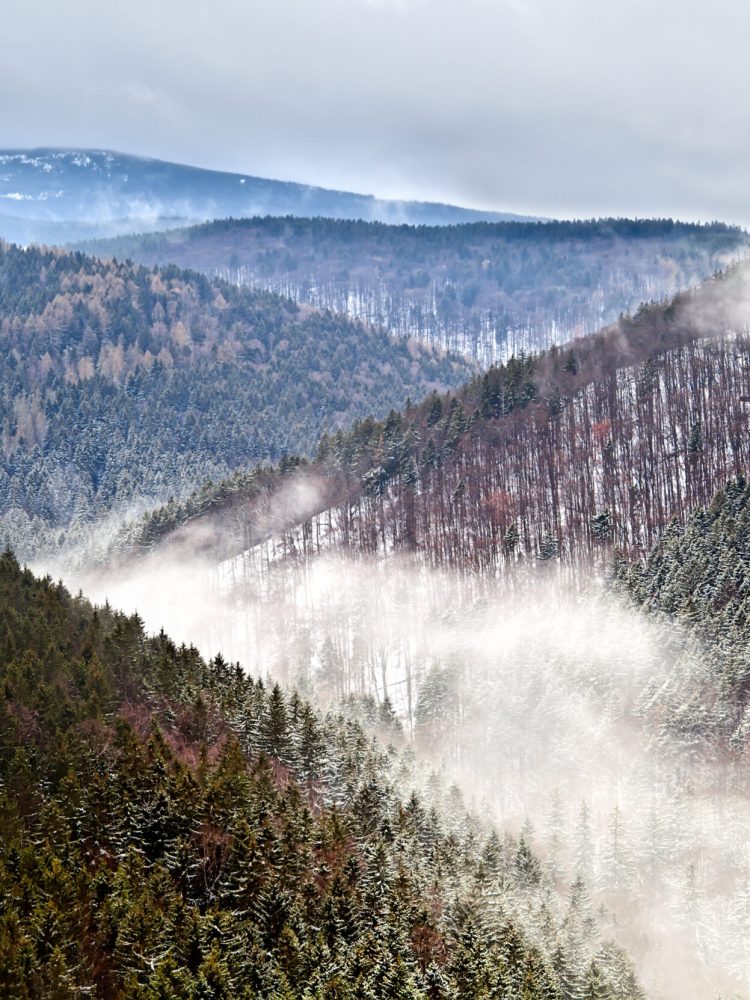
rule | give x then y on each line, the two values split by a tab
374	501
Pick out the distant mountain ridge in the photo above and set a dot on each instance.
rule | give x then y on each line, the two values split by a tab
488	290
58	195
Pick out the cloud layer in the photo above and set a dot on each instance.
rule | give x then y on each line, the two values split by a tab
579	108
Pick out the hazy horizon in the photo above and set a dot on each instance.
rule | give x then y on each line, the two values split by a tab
519	106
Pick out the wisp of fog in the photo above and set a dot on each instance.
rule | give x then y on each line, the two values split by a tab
540	698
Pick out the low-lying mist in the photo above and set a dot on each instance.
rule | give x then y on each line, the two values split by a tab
549	703
562	712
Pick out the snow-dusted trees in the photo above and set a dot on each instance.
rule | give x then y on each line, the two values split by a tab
123	384
170	827
566	454
486	290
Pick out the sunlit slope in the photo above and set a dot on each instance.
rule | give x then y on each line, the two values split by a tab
121	383
565	454
488	290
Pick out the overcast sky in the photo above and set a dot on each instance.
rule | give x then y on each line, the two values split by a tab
552	107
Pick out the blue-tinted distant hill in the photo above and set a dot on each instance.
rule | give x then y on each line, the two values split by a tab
59	195
488	290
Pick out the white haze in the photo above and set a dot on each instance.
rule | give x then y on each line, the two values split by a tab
547	694
544	693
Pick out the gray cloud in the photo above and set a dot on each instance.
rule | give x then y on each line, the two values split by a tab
555	107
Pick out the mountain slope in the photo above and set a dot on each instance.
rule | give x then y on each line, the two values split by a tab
698	576
172	828
439	556
59	195
566	453
124	383
488	290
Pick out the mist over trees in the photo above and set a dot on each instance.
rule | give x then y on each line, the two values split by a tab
698	574
438	566
171	827
522	588
56	196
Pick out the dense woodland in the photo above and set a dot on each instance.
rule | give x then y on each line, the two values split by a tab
564	453
698	575
172	828
124	383
488	290
617	741
422	585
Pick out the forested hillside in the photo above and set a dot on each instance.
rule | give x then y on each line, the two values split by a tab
698	575
487	290
618	740
172	828
564	453
214	835
418	571
122	383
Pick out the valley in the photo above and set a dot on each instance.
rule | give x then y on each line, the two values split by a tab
416	666
580	679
